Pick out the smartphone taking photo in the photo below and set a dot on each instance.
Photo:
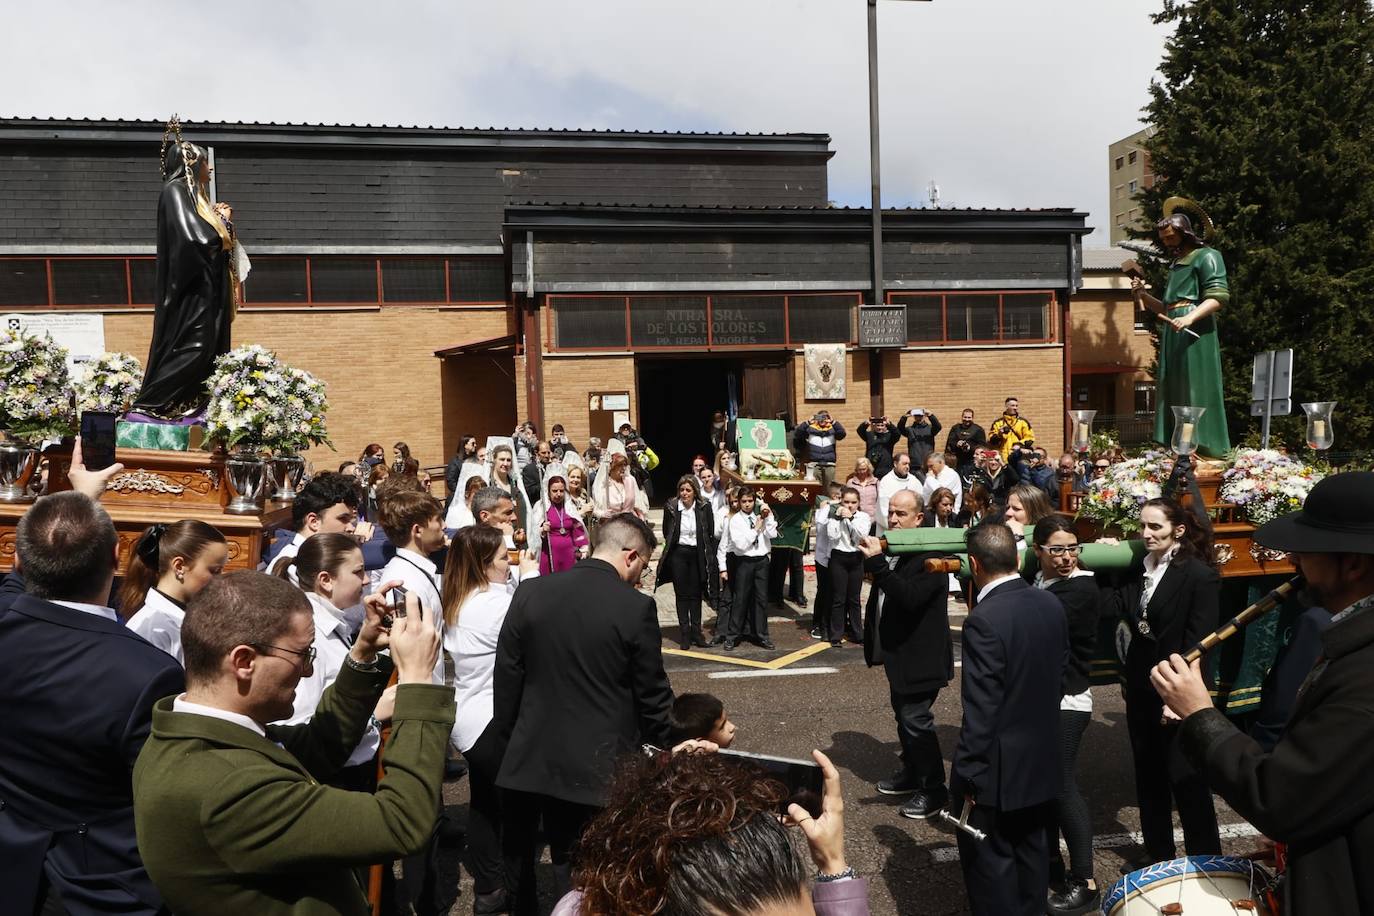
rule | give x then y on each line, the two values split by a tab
804	779
97	439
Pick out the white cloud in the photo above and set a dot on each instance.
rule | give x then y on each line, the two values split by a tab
1002	102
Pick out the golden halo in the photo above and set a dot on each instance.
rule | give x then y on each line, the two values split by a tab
1202	223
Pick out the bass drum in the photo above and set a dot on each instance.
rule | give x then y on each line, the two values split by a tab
1195	885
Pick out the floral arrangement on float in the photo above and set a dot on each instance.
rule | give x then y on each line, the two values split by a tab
260	405
108	384
1114	499
35	388
1266	483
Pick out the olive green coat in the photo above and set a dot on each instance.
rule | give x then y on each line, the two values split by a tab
229	822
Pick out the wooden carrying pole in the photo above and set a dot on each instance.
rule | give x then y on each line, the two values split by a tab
1233	626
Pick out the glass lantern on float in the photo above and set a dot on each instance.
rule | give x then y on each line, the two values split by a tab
1082	429
1320	433
1184	440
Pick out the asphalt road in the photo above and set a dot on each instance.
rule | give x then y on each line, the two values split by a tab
832	701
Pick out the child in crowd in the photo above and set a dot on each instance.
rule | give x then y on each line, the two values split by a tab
169	565
722	587
747	543
846	525
700	715
820	619
414	523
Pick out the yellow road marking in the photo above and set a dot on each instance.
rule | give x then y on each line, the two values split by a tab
783	662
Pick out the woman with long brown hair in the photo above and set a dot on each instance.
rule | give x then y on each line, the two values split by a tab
1165	606
477	593
169	564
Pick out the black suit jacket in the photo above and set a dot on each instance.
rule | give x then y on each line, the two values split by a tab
706	542
1182	610
1016	646
78	697
1082	600
10	590
579	681
910	636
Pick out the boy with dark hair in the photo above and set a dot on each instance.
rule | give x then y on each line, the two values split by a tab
820	620
700	715
414	523
327	504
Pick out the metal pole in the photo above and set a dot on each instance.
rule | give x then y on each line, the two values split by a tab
875	356
1268	399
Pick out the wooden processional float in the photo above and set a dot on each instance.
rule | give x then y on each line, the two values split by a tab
1094	556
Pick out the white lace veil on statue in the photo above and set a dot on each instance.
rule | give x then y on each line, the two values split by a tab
489	469
459	514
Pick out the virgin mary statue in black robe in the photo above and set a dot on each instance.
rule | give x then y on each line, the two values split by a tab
195	288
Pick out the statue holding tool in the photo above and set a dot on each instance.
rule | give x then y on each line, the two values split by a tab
1189	372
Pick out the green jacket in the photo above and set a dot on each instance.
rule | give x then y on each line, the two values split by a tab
229	822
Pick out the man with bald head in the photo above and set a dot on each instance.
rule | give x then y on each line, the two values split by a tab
906	630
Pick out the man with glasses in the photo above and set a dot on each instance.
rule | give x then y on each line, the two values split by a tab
579	682
232	812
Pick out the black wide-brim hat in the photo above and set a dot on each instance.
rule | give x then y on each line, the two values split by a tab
1338	517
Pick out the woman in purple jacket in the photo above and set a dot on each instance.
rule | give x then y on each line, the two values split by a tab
692	833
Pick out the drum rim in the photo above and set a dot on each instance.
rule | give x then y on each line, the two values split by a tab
1177	868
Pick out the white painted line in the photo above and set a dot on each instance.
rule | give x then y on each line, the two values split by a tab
779	672
946	854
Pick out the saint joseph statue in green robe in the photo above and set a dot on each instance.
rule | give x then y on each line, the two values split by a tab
1189	371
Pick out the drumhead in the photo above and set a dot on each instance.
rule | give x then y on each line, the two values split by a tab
1204	884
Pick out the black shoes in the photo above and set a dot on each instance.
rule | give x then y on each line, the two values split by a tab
816	633
899	784
1137	862
493	904
717	640
925	804
1076	899
765	643
729	645
836	644
699	639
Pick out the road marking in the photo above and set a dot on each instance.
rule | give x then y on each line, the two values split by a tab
946	854
772	672
782	662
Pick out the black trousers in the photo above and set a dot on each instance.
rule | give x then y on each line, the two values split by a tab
563	824
484	814
1071	810
825	597
749	603
1006	874
783	563
1162	775
921	758
685	567
846	579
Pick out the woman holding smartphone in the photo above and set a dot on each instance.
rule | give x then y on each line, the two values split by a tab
1166	606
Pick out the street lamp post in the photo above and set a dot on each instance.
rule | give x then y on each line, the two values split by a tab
875	356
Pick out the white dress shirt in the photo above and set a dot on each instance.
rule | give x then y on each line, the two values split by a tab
290	550
98	610
421	578
947	478
459	515
845	533
332	645
744	540
1154	571
686	524
472	643
890	484
159	622
716	498
181	704
822	535
983	592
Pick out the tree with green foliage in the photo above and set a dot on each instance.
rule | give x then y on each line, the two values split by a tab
1264	114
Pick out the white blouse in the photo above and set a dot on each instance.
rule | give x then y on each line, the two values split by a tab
159	622
472	644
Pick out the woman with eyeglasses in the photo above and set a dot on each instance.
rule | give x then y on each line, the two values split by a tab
329	569
1057	548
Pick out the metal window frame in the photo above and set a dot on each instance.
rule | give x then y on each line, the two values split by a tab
549	304
901	297
378	301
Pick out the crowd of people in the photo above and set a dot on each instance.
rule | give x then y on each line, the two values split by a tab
253	741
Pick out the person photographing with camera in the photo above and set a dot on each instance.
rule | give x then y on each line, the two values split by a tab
215	777
964	440
880	439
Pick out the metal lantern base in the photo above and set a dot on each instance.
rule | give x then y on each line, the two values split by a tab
18	465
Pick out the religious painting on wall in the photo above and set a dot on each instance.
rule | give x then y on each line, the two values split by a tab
824	372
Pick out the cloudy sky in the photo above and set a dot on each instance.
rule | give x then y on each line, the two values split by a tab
1004	103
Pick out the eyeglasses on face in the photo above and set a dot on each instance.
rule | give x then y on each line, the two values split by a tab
307	655
1063	550
1101	467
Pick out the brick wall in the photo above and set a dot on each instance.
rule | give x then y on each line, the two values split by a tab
945	382
567	381
385	384
1104	335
